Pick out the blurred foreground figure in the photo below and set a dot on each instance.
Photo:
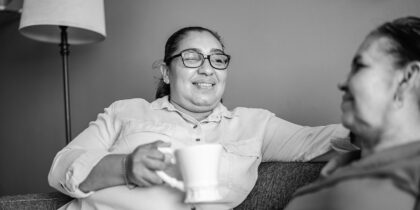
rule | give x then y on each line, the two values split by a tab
381	107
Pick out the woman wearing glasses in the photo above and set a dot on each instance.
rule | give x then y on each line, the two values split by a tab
113	163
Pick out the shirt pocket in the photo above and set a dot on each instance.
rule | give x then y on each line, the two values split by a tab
239	167
135	133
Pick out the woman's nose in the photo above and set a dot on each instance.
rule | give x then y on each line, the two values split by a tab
343	86
206	68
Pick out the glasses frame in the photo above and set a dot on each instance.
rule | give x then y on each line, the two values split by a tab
203	59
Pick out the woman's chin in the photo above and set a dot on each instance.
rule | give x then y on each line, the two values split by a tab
347	120
209	102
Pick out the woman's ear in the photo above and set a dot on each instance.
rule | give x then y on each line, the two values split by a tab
164	70
411	75
415	73
409	80
415	78
160	65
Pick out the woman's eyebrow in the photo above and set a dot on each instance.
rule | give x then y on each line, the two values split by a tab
216	50
195	49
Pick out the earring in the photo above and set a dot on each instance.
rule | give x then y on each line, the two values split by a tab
398	102
166	81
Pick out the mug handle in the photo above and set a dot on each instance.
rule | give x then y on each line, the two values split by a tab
173	182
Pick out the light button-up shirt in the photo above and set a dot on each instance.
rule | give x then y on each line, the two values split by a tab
248	136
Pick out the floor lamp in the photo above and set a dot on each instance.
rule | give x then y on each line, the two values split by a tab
64	22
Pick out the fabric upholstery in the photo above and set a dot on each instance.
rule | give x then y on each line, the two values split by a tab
276	184
35	201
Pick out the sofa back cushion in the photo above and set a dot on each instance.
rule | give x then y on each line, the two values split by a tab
277	182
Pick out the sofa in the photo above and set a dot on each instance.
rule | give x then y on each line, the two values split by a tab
274	188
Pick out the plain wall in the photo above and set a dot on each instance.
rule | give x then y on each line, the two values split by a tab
287	56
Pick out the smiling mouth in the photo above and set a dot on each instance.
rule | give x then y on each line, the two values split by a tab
203	85
347	97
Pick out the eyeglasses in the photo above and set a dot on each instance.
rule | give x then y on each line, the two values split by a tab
193	59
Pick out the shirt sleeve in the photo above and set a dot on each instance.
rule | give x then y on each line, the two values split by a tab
74	162
285	141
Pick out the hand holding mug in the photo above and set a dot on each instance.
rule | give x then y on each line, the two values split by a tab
144	161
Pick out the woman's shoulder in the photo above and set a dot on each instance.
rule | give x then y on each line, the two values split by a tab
250	109
132	103
246	112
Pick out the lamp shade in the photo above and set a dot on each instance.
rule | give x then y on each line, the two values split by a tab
85	20
4	3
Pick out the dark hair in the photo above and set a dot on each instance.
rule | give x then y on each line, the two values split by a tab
171	46
404	34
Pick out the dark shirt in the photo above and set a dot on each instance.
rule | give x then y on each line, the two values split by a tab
389	179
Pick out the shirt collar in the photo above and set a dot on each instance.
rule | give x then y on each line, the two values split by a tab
219	112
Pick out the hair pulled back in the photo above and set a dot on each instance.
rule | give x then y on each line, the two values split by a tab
404	34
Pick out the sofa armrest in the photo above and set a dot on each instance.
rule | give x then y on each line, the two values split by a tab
277	181
36	201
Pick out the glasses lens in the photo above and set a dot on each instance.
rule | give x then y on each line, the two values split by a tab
219	61
192	59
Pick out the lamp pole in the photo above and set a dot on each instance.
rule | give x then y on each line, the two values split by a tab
52	21
64	51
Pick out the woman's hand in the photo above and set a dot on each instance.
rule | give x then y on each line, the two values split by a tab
142	163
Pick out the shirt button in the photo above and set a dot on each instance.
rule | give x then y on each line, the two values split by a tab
197	139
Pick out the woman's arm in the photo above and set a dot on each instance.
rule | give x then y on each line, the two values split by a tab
137	168
110	171
326	156
285	141
75	161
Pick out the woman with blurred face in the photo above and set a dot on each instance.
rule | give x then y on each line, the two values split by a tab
113	163
381	107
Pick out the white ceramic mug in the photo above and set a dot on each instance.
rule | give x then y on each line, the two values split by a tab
199	166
